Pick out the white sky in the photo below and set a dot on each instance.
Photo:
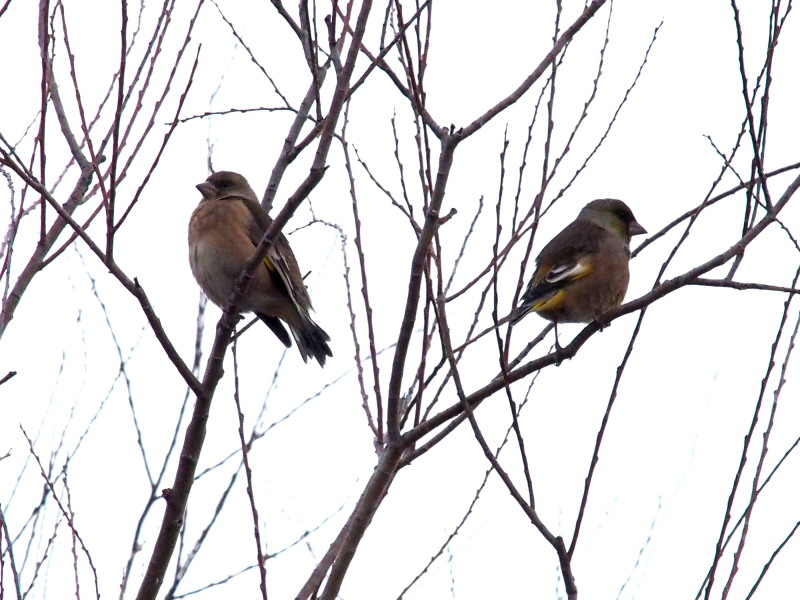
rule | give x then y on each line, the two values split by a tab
684	405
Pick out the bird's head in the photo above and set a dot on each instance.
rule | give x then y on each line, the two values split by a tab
225	184
615	215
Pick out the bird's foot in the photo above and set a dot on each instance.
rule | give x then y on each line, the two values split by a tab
602	323
558	353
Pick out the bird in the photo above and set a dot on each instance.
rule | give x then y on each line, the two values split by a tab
582	273
224	231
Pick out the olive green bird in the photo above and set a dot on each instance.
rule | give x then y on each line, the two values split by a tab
224	231
582	273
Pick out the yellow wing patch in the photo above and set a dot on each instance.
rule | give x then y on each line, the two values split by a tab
567	273
585	269
550	302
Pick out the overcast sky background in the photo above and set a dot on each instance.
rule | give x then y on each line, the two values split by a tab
684	405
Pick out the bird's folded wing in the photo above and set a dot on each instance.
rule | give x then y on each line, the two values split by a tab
548	282
280	260
565	272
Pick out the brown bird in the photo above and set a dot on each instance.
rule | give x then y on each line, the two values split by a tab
582	273
224	231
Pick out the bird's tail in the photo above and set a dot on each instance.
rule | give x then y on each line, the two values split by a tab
312	341
548	298
518	313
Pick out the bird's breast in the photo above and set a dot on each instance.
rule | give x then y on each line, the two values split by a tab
218	247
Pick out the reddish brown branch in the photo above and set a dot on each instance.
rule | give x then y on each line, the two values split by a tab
562	41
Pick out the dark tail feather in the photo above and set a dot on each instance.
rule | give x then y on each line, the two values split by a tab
518	313
277	328
533	299
312	341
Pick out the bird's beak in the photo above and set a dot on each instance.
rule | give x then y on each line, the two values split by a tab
634	227
206	188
